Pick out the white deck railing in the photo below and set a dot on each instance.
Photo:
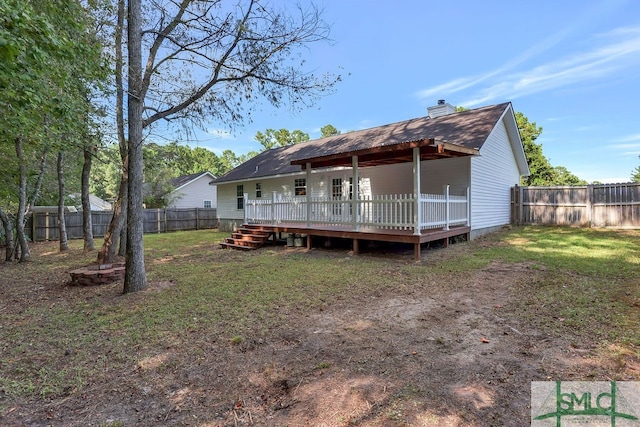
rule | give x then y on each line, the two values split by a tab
394	212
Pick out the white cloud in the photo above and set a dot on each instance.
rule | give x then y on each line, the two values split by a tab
629	138
615	50
219	133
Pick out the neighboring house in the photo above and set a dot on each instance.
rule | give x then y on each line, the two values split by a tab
193	191
402	172
97	204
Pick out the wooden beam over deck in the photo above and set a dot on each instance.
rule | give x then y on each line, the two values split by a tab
389	154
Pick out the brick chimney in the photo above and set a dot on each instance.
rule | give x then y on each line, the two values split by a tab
442	109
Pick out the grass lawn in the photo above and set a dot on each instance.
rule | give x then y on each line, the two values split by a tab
59	342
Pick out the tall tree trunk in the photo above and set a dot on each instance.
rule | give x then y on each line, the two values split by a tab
135	276
87	226
62	226
8	233
108	251
25	253
122	249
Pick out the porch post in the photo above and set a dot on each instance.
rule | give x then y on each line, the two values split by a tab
355	196
446	200
417	206
246	208
273	207
468	206
308	196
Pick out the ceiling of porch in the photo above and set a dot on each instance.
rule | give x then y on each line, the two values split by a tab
389	154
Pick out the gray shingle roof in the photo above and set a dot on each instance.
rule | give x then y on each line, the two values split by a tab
182	180
468	129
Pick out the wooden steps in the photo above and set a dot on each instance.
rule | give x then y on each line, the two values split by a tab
246	238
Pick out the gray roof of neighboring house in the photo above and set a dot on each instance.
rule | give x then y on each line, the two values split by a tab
185	179
468	129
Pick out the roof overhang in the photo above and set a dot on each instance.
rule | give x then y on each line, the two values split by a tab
430	149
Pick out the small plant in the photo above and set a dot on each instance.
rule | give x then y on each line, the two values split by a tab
323	365
237	340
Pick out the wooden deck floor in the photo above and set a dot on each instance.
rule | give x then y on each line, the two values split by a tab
368	233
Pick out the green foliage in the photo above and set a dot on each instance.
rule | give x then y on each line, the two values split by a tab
329	130
280	138
50	62
635	177
542	173
564	177
161	164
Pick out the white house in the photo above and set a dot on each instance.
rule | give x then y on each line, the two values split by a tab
97	204
193	191
424	174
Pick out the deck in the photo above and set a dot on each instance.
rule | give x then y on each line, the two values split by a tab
367	233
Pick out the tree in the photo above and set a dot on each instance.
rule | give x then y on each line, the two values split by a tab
564	177
329	130
635	176
280	138
48	61
542	172
208	60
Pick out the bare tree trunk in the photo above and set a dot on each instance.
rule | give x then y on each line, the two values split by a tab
108	251
62	226
122	249
87	226
135	278
8	233
25	253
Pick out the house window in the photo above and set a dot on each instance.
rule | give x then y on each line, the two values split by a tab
258	190
336	188
300	187
336	194
240	196
207	204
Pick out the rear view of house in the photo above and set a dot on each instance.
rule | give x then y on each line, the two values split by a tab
420	178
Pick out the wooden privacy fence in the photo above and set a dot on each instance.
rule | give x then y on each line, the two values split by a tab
601	205
44	225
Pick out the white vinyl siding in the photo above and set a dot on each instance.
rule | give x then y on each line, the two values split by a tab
193	194
494	172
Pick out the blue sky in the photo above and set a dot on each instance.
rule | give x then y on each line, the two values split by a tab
573	67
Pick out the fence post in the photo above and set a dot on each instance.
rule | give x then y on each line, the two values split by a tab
33	226
446	198
273	207
197	219
589	203
46	226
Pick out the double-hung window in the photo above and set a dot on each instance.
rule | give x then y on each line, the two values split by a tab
240	196
300	187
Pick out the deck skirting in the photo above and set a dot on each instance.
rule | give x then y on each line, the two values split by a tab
368	233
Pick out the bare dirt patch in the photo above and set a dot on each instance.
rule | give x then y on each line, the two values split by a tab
456	355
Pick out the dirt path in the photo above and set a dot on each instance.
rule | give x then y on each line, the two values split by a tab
457	356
